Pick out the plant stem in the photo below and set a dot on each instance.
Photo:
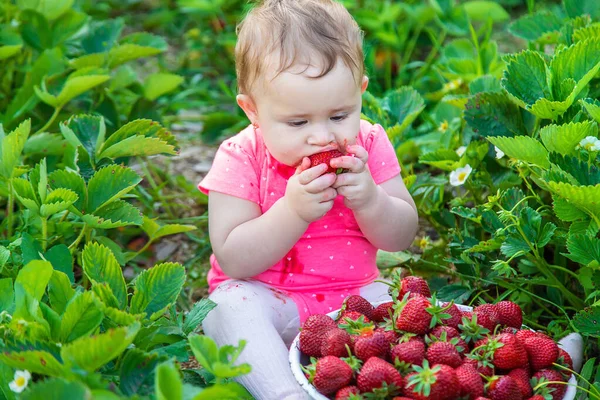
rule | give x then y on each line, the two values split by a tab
140	251
9	209
74	245
50	121
44	233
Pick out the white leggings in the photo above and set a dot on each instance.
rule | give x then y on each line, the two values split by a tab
269	322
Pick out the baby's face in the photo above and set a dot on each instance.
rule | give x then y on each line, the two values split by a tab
300	116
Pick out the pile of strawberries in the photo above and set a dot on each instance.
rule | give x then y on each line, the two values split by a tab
418	348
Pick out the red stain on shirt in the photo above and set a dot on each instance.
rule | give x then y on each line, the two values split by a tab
291	265
320	297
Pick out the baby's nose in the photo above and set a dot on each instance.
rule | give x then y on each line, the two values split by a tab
322	137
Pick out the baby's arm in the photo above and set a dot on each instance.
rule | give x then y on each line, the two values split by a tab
247	242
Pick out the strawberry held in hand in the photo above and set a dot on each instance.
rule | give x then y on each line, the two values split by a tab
324	158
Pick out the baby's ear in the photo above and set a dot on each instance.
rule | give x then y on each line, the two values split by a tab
364	84
247	104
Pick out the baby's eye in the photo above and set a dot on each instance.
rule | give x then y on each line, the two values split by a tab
296	123
339	118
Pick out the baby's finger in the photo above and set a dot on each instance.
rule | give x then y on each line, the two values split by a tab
359	152
304	164
320	183
350	163
328	194
308	175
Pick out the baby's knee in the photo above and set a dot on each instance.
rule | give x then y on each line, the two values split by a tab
234	300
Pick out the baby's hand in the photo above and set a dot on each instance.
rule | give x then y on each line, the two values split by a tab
309	193
356	185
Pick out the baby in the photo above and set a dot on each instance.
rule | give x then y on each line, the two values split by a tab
291	240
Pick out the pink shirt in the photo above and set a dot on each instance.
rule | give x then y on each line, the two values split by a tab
333	253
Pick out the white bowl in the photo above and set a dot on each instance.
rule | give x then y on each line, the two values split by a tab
297	359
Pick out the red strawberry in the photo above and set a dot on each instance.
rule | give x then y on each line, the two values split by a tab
556	390
414	317
334	343
414	284
412	352
436	383
509	329
359	304
324	158
345	392
375	372
510	314
487	316
522	376
524	334
504	388
329	374
439	330
382	311
536	397
483	367
443	353
455	315
353	315
312	333
482	398
542	351
471	383
375	345
565	360
462	346
508	352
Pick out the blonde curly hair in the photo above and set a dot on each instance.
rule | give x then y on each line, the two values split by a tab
296	30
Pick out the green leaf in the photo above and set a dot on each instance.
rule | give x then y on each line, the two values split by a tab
566	211
583	197
85	130
157	288
102	35
513	245
105	294
196	315
24	192
74	86
121	318
580	62
92	352
82	316
10	44
101	266
533	26
11	147
51	9
61	259
584	173
485	83
140	127
224	391
160	83
45	143
109	184
522	148
480	10
48	63
444	159
60	291
205	350
58	200
168	383
57	389
115	214
67	26
564	138
526	78
456	292
586	321
7	295
70	180
138	146
34	278
404	104
137	370
155	231
592	106
493	114
127	52
575	8
583	249
36	361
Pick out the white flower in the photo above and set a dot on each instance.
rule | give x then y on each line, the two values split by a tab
499	153
590	143
460	175
20	381
443	126
454	84
461	150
